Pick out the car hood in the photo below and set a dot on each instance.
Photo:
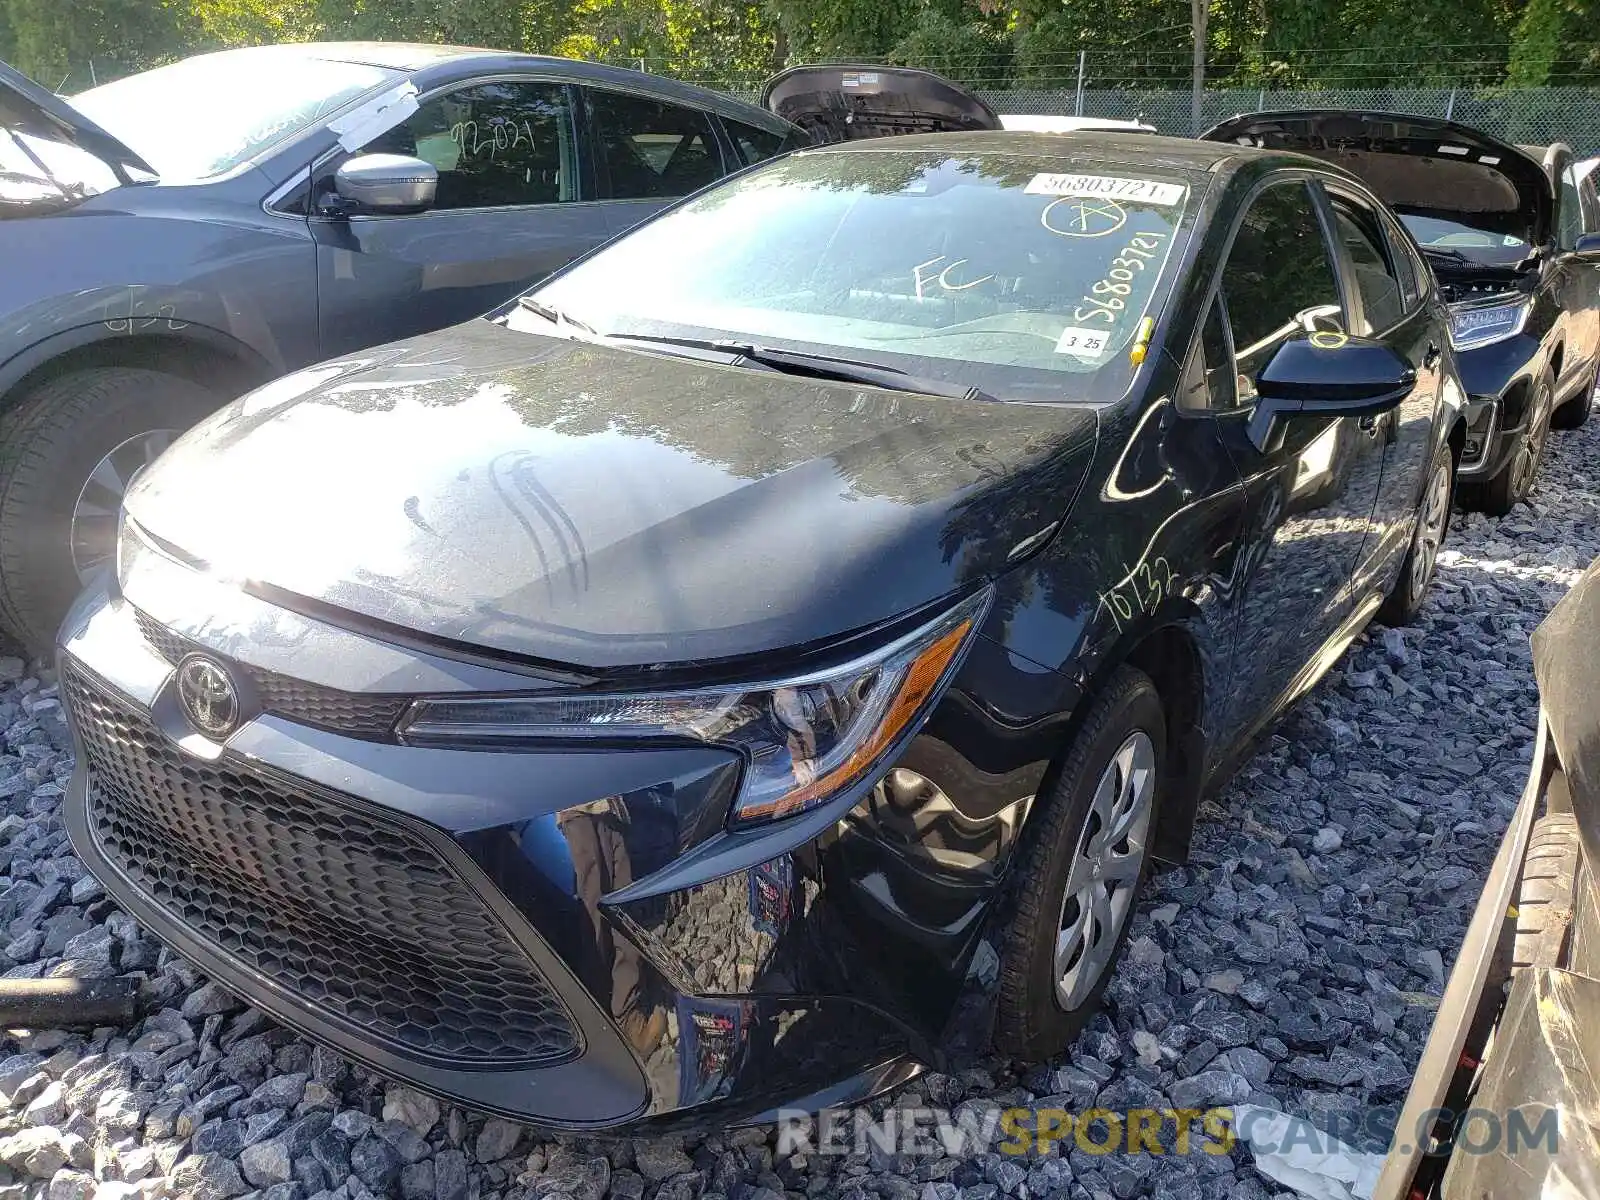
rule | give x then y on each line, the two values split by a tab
1419	165
839	103
568	502
27	108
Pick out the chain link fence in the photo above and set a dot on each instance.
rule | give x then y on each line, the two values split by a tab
1525	116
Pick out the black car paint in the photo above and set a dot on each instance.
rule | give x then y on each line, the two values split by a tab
865	933
1562	333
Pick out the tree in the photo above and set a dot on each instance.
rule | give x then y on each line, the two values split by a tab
69	47
1556	42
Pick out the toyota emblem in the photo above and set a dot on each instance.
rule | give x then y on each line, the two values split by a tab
208	697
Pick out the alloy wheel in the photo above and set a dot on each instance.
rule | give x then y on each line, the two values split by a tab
1430	528
1526	466
94	516
1105	869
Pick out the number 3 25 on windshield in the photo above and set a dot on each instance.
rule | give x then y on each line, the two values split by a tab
1108	296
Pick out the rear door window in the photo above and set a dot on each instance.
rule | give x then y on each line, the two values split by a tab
649	149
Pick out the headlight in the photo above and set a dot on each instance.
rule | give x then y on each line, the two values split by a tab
1483	325
803	739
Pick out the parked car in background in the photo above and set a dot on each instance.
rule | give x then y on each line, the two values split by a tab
764	659
176	237
1514	240
1050	124
1504	1100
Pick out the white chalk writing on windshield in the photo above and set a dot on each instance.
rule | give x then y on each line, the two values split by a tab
942	277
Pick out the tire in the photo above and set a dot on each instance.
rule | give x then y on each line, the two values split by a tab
51	439
1544	899
1511	486
1033	1021
1405	599
1575	412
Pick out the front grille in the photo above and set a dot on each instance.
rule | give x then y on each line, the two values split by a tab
355	914
351	713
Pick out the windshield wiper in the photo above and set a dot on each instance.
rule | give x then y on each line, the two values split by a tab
554	315
819	366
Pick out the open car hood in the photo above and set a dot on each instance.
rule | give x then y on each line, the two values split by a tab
838	103
26	108
1419	165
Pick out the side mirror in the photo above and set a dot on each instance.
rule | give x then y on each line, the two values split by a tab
1588	248
386	183
1331	375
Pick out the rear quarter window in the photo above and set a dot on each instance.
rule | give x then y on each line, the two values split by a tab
757	145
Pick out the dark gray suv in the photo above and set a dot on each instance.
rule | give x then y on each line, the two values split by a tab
172	239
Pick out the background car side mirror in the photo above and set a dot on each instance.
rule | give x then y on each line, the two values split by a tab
1331	375
386	183
1588	248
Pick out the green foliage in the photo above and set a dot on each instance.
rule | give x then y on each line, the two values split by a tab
57	42
1133	44
1557	42
975	52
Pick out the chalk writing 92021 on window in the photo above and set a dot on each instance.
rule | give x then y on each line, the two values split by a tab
1141	592
495	136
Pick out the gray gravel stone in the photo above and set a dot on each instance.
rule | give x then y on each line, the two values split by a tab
372	1160
498	1139
450	1175
266	1163
208	1177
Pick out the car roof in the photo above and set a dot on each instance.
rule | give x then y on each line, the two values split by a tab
420	56
1086	149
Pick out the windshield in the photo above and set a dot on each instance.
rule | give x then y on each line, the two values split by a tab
206	115
1481	245
998	271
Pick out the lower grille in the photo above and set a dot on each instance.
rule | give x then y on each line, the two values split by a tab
352	713
354	914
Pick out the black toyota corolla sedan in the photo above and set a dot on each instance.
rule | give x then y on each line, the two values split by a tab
764	661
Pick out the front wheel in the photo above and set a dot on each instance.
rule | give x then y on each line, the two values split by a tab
1085	864
68	451
1404	601
1511	486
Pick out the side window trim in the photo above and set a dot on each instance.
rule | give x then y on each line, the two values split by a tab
583	183
1390	244
1344	272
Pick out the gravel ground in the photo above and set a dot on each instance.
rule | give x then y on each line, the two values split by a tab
1295	963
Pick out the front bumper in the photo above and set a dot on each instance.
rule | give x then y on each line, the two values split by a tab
1489	445
552	936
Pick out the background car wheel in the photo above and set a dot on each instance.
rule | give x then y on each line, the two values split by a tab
1544	899
1083	870
68	450
1511	486
1404	601
1576	411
